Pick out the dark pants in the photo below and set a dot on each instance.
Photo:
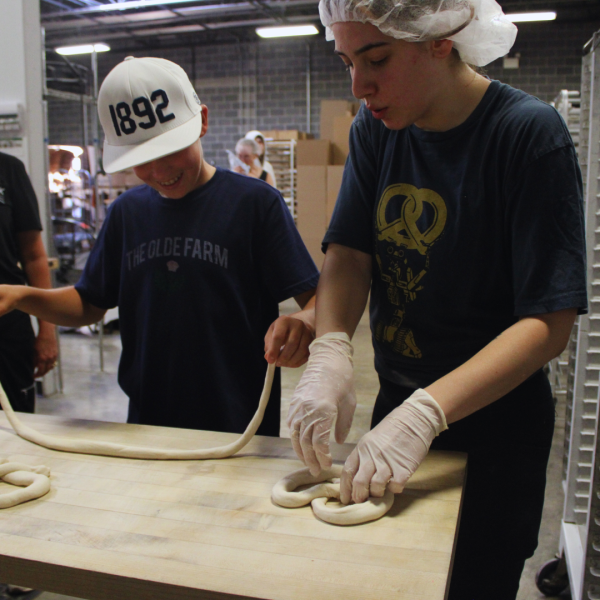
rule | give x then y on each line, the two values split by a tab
16	360
508	445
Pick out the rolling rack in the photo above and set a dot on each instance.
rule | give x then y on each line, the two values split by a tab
579	552
568	104
282	155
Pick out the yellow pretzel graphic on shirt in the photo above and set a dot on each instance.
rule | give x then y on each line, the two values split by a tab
411	211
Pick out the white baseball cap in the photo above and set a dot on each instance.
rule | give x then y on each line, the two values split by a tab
148	109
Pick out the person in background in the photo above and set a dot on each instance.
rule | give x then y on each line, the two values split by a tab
259	138
24	356
461	213
247	151
197	260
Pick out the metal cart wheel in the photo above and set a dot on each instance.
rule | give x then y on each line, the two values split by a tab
552	578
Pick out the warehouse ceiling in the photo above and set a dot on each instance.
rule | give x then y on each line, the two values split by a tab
124	24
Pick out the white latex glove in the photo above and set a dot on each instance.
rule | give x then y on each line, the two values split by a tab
390	453
325	391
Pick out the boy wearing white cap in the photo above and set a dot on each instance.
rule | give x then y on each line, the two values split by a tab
197	261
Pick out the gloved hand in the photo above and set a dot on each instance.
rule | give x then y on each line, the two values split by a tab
390	453
325	391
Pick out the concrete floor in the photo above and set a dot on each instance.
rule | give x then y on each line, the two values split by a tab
93	394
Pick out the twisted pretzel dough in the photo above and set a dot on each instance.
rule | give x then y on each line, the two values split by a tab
282	494
35	482
328	486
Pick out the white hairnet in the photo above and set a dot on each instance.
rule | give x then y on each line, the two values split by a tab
252	135
481	32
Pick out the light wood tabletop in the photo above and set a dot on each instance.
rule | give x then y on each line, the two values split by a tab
114	528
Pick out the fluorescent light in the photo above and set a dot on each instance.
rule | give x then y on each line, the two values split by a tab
286	31
539	16
86	49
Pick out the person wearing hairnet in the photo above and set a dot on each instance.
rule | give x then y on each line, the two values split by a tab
259	138
247	152
460	211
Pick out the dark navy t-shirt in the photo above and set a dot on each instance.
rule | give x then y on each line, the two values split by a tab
18	213
198	282
469	229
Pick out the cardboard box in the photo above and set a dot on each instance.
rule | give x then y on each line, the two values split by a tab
312	208
293	134
341	132
271	134
313	245
313	152
287	134
334	182
329	110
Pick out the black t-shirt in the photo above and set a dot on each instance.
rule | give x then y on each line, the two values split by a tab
18	212
198	282
469	229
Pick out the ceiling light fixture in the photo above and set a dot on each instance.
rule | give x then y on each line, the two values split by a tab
286	31
85	49
539	16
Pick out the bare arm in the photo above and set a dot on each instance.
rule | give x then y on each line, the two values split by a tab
343	290
35	264
34	258
493	372
61	306
503	364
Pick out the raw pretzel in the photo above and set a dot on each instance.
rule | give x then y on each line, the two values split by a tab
327	487
33	482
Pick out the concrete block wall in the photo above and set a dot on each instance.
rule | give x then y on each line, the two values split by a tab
550	58
262	85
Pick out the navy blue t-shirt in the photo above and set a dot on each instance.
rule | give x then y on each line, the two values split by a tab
198	282
469	229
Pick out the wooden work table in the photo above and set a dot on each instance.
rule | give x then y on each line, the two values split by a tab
114	528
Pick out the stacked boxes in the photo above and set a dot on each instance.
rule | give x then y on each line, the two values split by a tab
286	134
312	208
320	164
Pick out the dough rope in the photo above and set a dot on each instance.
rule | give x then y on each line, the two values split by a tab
37	481
122	451
327	487
33	482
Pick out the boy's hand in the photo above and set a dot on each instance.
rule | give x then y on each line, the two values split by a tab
287	342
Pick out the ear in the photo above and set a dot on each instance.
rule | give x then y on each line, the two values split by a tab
204	110
441	48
